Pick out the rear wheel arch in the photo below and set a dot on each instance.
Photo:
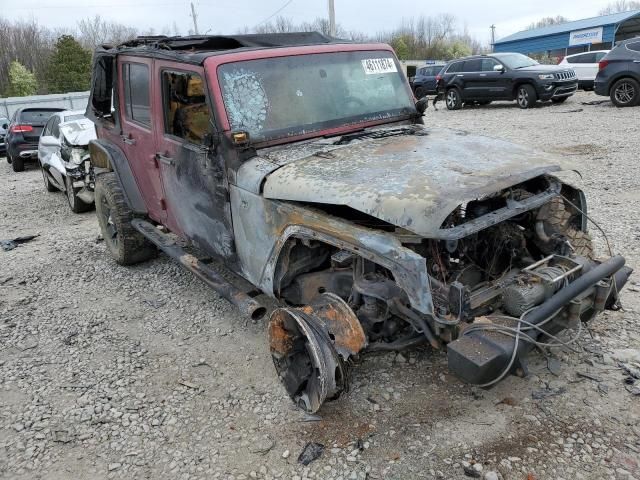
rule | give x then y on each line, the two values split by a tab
107	157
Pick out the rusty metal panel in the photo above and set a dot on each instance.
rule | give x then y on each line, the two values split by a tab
412	181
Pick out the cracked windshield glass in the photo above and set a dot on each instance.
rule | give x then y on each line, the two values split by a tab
281	97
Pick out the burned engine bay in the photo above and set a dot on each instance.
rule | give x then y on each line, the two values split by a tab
501	284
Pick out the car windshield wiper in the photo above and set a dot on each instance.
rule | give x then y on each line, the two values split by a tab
344	139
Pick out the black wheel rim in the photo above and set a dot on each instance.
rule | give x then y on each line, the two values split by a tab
625	93
111	232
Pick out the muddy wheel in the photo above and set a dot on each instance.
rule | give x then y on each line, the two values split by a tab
125	244
75	204
421	92
558	219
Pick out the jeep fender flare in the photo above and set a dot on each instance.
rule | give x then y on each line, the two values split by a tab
408	268
107	156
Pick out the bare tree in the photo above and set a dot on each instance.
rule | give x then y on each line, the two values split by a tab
97	31
620	6
547	21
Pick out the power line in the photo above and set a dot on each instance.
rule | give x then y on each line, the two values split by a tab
274	13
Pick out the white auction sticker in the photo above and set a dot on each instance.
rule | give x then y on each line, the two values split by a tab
374	66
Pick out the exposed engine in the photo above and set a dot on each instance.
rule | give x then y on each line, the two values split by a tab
496	293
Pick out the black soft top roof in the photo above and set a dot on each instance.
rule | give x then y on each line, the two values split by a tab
195	48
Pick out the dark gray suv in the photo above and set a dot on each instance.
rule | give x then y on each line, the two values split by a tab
619	74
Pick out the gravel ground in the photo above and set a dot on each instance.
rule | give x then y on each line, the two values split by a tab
142	372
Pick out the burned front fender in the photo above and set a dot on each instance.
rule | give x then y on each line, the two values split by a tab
262	227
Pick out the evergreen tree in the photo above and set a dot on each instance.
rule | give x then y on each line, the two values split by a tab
21	81
70	67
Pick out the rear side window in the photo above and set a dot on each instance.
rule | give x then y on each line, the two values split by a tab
35	117
635	46
474	65
135	77
186	113
455	67
585	58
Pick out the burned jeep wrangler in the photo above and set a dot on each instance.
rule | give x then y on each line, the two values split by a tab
303	165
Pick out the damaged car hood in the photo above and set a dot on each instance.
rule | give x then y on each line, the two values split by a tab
411	181
78	132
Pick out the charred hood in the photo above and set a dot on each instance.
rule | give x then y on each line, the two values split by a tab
411	181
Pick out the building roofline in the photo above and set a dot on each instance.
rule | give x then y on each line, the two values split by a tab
591	22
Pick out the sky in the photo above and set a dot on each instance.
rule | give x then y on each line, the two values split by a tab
368	16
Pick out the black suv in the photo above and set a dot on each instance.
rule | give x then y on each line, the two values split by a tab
425	82
24	132
505	76
619	74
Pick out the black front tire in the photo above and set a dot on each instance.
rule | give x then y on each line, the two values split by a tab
77	205
625	93
125	244
526	96
453	99
17	164
559	100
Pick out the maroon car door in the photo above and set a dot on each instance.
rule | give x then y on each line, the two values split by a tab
137	131
192	173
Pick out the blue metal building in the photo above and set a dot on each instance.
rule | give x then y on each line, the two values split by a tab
598	33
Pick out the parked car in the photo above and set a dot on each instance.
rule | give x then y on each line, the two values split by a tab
4	128
370	230
619	74
63	155
425	82
24	132
505	76
585	65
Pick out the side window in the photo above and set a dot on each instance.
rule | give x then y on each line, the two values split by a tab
135	77
186	113
488	64
55	127
600	56
572	59
47	128
455	67
635	46
474	65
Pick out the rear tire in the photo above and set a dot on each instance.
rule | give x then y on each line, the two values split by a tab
453	99
558	219
17	164
76	204
625	93
125	244
526	96
420	92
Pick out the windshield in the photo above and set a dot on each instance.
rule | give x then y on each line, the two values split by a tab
516	60
281	97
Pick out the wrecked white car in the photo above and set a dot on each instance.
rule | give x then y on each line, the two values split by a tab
63	154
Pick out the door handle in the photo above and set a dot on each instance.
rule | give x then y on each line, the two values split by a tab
128	139
636	61
459	75
164	159
483	74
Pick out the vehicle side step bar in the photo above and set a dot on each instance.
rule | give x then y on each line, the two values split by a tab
213	279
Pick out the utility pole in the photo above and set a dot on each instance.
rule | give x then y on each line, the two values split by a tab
195	19
332	19
493	37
